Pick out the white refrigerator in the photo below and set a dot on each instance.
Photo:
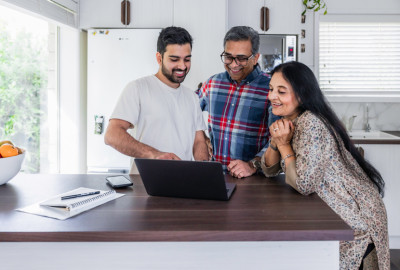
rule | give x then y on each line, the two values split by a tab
115	57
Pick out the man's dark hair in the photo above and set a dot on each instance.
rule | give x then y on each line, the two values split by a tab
239	33
173	35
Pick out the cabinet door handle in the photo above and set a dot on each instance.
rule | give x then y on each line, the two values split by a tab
125	12
264	18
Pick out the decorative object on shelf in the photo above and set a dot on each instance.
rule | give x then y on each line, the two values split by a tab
303	33
303	48
315	5
264	18
303	18
125	12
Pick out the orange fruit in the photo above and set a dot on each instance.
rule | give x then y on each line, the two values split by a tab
8	150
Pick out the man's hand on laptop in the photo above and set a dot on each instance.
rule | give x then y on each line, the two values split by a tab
163	155
240	169
209	148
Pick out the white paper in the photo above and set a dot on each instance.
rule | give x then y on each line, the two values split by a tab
63	213
69	203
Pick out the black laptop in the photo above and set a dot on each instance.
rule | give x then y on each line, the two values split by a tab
184	179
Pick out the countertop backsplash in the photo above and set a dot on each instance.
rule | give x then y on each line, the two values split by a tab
382	116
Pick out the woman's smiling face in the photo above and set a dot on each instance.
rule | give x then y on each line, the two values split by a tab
283	99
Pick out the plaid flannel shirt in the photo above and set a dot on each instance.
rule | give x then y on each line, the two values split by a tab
239	115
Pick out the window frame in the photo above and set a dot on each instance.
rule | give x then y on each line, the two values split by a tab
70	94
341	96
60	11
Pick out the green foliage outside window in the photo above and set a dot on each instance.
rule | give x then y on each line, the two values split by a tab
23	80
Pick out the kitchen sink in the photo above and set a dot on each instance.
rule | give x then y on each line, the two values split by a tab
371	135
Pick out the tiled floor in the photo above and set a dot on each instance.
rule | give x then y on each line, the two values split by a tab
395	259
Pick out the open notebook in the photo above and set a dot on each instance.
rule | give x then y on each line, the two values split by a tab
63	209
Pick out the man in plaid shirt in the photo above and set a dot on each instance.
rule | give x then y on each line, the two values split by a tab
237	103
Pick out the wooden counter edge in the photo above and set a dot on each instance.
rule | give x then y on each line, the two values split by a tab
173	236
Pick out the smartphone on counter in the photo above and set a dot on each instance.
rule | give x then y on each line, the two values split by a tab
118	181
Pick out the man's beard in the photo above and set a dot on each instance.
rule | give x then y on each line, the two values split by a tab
171	77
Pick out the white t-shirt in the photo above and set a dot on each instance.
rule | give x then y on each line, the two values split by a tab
165	118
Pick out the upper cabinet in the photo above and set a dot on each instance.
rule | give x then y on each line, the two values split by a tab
107	14
245	13
283	18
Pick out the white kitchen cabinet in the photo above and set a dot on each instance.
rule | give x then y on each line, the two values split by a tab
107	14
206	22
386	159
283	18
245	13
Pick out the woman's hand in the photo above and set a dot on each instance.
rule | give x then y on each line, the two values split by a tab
281	131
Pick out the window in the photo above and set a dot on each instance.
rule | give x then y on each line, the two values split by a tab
359	56
28	88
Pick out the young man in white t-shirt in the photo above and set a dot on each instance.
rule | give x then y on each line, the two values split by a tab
166	114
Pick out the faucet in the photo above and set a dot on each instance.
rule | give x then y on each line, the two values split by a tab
367	125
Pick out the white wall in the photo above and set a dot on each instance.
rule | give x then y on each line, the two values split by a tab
384	116
363	6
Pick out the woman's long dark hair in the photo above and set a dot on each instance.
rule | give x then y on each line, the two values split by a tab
311	98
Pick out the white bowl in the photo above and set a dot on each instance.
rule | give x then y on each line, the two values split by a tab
10	166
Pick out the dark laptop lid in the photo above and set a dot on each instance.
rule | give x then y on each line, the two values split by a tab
185	179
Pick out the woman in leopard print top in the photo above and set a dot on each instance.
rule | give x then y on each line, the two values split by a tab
312	147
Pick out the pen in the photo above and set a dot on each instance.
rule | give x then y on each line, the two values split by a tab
79	195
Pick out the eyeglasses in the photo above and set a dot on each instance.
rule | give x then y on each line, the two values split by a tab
239	60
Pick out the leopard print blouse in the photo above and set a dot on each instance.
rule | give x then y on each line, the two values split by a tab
343	185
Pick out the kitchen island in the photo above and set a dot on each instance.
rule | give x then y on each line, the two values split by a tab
265	224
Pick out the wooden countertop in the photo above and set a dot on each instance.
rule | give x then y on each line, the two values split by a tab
260	209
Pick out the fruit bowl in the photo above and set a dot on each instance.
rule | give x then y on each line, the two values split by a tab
10	166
